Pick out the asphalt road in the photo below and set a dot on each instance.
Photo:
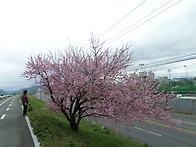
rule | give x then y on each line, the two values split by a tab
14	131
156	134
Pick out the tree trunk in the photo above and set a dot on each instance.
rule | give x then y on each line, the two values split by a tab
74	125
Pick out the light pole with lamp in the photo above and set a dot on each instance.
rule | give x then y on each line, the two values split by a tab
142	65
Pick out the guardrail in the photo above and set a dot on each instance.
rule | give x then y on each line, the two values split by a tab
186	105
4	96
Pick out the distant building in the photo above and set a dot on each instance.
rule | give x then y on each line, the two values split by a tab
151	75
163	80
145	74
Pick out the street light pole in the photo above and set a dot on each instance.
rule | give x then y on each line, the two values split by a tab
142	65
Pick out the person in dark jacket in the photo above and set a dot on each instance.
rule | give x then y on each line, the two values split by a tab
25	102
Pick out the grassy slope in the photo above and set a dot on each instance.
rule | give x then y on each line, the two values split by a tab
53	130
191	88
180	87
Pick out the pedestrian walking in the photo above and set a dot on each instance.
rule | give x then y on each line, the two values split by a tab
25	102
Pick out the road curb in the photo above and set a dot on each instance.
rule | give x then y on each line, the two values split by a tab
34	137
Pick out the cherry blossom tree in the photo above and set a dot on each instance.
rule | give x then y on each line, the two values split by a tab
95	83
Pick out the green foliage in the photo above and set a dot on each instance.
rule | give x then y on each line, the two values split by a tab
30	108
145	145
52	129
179	86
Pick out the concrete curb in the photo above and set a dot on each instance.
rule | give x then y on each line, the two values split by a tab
35	140
34	137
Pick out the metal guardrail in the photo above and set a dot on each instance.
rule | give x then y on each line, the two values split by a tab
4	96
186	105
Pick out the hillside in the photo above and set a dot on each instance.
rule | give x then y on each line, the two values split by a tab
2	92
29	89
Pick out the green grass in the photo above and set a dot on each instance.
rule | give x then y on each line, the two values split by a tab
186	86
53	130
191	88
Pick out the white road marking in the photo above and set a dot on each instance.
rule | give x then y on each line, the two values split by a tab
10	104
35	140
148	131
3	116
154	133
13	100
7	109
188	123
139	128
5	101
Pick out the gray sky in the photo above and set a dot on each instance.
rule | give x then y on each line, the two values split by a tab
32	27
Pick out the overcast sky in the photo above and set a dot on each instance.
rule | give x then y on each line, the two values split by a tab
32	27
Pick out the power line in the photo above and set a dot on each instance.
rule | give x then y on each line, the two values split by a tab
165	62
142	23
174	61
180	60
140	20
122	18
171	59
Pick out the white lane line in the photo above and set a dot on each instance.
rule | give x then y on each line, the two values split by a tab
10	105
139	128
7	109
13	100
3	116
5	101
188	123
154	133
148	131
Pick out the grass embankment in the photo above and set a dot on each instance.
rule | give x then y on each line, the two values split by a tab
53	130
183	87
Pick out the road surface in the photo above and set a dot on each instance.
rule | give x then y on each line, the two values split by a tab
14	131
156	134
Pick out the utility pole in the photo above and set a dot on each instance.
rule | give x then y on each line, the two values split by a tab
169	70
186	71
